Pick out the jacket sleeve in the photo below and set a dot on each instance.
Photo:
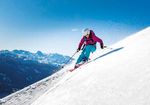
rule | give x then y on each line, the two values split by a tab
97	39
81	43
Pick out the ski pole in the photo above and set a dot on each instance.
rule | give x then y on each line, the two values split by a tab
69	59
108	47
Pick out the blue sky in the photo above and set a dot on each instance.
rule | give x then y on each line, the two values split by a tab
55	25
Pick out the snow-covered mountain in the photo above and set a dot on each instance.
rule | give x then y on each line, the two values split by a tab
19	68
52	58
118	76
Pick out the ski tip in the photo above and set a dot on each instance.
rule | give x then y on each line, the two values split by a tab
71	70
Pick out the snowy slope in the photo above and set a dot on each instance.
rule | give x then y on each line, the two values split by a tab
30	93
118	77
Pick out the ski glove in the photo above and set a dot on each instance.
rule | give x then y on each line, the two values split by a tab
78	50
102	46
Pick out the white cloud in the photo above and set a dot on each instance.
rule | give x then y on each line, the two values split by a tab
74	29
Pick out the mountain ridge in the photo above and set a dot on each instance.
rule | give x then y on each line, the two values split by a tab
20	68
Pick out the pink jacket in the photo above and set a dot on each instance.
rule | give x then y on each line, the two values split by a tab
93	39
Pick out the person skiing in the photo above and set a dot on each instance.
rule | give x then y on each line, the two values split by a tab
88	45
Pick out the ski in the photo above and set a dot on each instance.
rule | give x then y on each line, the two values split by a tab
71	70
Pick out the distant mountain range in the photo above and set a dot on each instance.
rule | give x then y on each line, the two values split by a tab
19	68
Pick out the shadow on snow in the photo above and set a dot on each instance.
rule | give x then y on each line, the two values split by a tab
114	50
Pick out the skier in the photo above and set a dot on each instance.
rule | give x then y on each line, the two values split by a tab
88	45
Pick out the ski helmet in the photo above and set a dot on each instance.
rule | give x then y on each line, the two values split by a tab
86	31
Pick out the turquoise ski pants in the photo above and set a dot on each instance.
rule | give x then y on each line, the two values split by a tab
84	56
